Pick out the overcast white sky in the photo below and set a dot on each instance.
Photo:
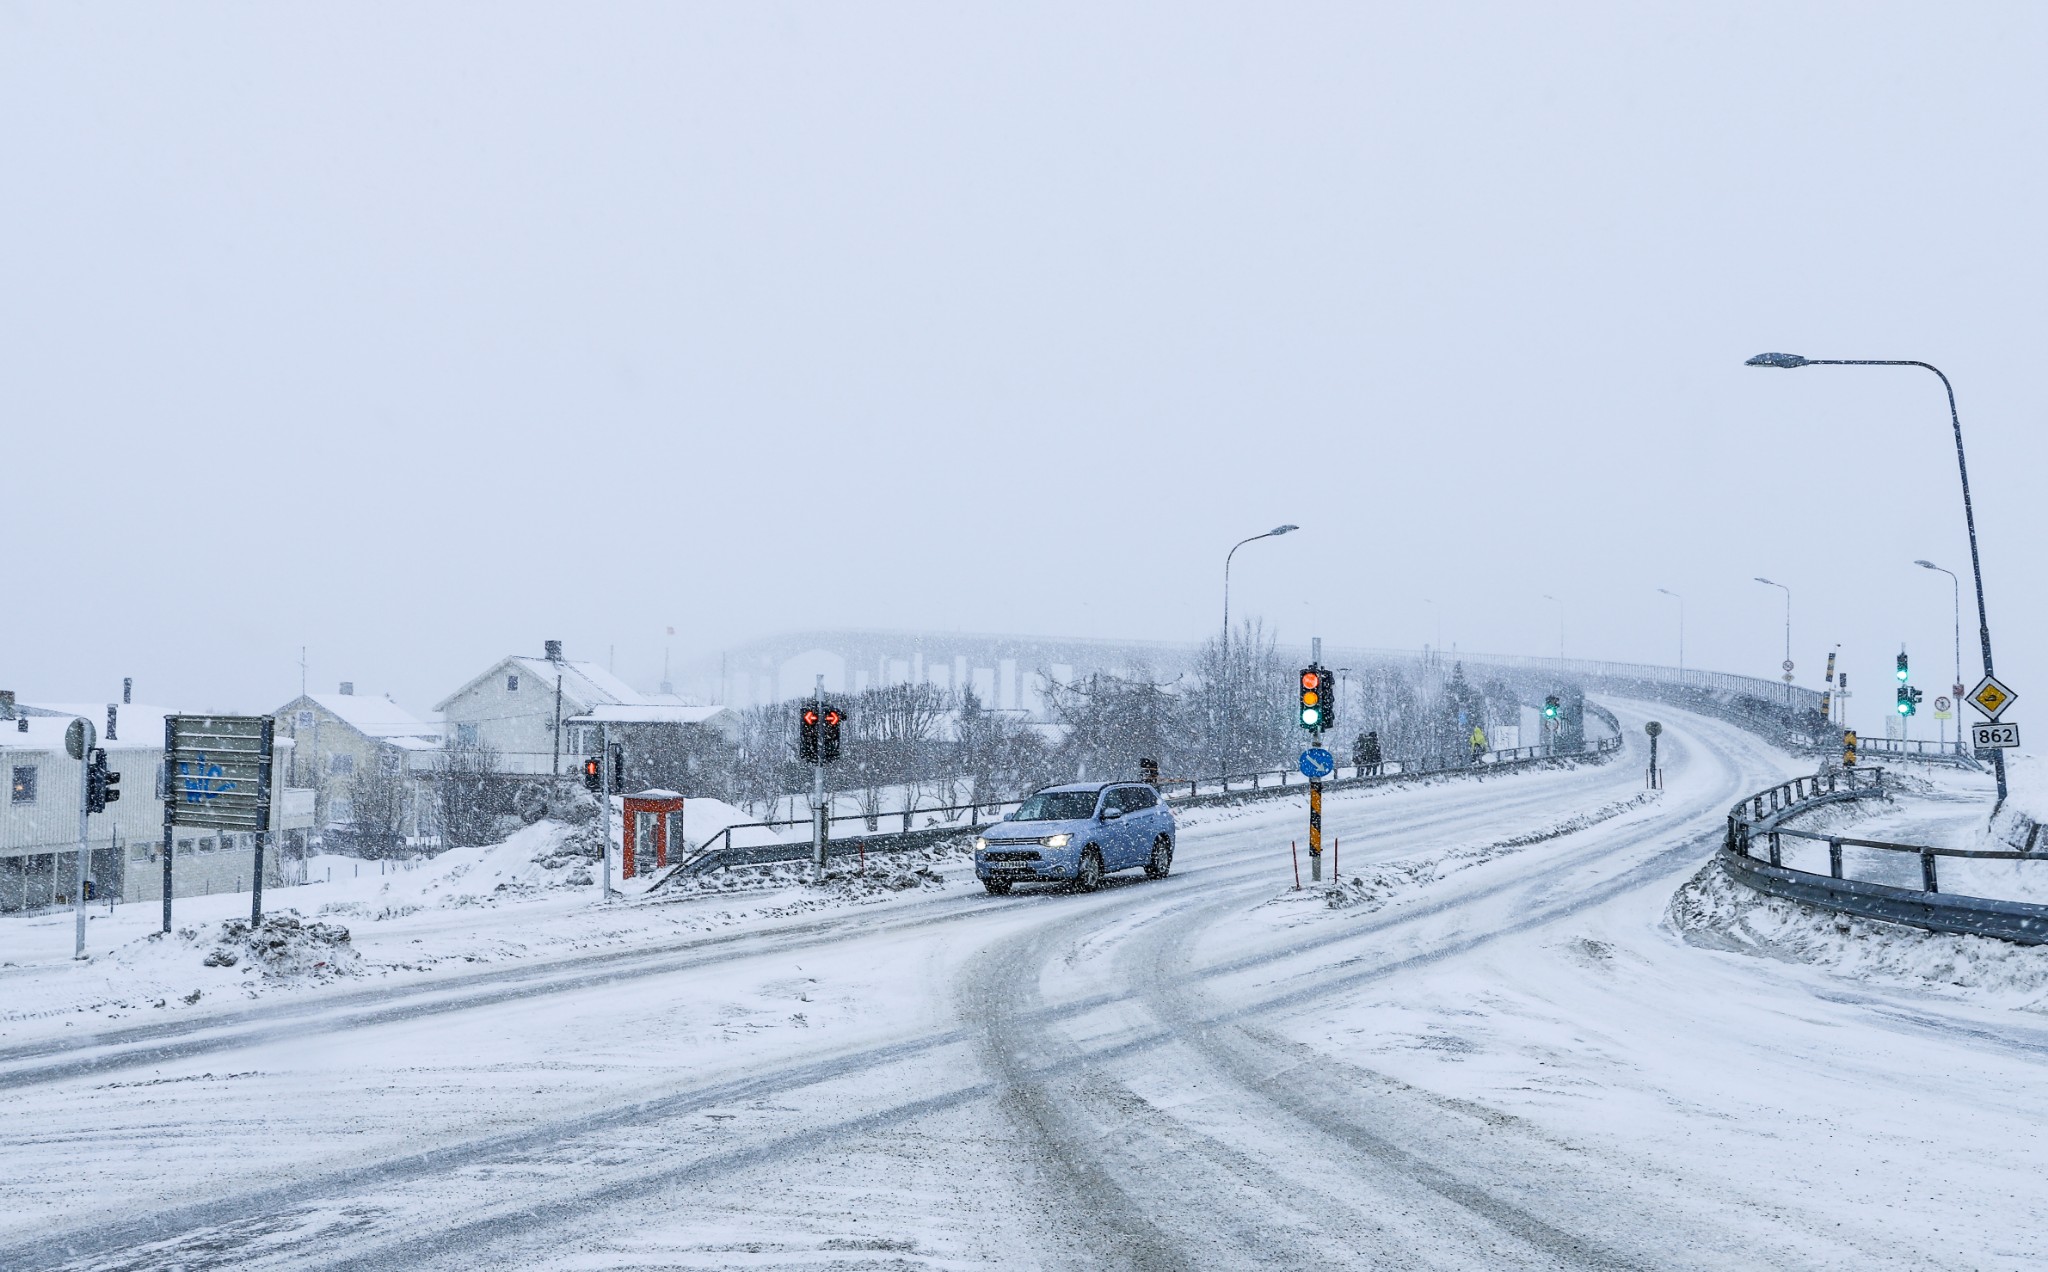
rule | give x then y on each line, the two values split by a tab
415	334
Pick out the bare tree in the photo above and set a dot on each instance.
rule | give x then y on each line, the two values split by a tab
472	793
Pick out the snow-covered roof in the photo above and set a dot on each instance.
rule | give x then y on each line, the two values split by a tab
648	713
140	726
375	717
584	683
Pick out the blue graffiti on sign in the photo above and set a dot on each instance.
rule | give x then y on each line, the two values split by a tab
204	784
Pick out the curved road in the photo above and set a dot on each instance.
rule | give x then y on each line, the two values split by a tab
1503	1060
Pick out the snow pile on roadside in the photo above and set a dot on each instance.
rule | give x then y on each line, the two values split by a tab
1713	911
886	874
1379	882
284	947
546	855
2017	824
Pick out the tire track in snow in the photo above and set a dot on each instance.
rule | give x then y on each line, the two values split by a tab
214	1215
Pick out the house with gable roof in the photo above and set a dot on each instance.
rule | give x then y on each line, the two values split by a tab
542	715
346	745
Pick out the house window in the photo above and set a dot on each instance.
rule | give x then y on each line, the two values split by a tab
24	784
305	719
466	735
341	764
184	846
206	843
511	684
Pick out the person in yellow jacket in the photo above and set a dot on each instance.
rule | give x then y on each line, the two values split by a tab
1478	743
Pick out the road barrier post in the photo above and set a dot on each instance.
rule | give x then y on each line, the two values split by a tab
1294	850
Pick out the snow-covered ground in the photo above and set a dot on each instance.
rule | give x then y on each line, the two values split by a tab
1519	1032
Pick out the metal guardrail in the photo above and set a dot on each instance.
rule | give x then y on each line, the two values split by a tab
1922	749
1750	821
945	822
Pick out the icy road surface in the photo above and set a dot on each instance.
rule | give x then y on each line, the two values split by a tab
1493	1053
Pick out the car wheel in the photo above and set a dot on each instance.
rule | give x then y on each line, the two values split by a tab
1162	858
997	887
1089	877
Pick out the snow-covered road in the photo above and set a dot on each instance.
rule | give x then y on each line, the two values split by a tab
1489	1051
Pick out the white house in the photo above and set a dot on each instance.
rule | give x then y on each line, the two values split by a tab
543	715
39	815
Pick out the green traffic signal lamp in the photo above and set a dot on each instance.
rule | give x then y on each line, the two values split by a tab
1902	667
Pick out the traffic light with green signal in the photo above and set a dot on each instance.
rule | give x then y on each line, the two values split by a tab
1552	708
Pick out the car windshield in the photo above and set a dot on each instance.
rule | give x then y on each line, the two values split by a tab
1057	806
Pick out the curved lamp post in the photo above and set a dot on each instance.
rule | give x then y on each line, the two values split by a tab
1955	589
1788	636
1962	470
1230	708
1681	630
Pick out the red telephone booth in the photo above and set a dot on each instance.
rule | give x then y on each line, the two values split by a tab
647	817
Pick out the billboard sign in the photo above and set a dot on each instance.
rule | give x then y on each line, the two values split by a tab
218	771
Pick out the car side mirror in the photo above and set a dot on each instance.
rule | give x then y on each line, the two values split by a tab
1111	814
1010	816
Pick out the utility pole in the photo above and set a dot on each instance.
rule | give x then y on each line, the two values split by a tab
604	800
818	791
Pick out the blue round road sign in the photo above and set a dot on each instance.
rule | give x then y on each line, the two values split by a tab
1316	762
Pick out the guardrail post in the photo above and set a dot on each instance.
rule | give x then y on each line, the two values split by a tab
1775	859
1835	858
1928	883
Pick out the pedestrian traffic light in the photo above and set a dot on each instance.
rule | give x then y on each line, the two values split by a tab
593	773
1902	666
101	787
1316	705
1552	708
834	717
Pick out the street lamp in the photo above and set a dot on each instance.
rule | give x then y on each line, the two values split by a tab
1956	601
1276	530
1560	624
1788	637
1230	704
1681	630
1962	470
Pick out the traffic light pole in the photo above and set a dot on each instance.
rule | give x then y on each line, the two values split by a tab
818	789
604	801
1315	786
84	811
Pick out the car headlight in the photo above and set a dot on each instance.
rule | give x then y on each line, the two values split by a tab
980	844
1058	841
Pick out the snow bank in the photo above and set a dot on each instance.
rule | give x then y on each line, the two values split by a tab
545	855
2018	821
1380	881
1713	911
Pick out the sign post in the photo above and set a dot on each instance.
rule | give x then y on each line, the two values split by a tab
217	772
1653	728
78	744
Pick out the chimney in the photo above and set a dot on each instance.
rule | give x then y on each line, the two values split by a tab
554	648
127	690
348	688
111	718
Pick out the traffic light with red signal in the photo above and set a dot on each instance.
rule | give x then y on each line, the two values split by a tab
1317	705
818	732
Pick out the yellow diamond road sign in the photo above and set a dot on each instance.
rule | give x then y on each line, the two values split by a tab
1991	697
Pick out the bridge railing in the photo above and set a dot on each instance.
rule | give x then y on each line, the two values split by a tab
870	835
1759	822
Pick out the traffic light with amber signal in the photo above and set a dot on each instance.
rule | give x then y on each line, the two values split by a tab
1318	702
